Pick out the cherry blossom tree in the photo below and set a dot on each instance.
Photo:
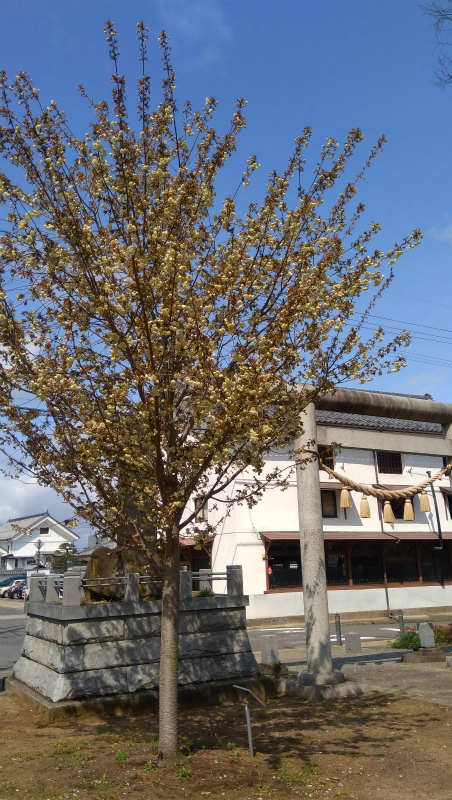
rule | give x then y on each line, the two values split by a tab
154	344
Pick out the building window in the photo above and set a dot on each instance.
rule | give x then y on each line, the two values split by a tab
326	454
336	565
284	565
389	463
43	531
329	505
201	509
366	564
401	563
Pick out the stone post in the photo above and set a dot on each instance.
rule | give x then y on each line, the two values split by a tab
132	590
204	584
52	584
185	584
235	579
72	590
36	595
269	650
318	645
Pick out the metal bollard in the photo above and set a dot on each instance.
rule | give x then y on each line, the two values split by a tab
401	622
337	620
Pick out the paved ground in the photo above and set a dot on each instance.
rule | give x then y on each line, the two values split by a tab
12	632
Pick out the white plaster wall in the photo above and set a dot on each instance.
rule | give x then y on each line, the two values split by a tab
290	604
25	546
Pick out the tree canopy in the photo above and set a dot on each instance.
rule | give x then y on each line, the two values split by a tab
154	344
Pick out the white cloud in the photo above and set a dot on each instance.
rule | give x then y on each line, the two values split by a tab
442	234
423	383
24	499
200	23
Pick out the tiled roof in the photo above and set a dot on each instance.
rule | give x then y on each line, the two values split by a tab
377	423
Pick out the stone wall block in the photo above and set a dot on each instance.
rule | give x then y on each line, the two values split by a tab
144	627
222	620
143	676
72	685
95	630
191	670
197	645
112	654
233	665
49	654
189	622
44	629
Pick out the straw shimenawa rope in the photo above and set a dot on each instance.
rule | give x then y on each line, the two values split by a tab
383	494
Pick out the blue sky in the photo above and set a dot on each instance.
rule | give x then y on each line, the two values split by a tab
332	65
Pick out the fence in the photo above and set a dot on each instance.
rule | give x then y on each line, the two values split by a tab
69	589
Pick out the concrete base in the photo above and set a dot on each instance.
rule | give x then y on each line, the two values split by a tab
349	688
333	678
425	655
213	693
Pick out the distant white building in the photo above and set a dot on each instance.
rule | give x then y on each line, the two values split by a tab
25	540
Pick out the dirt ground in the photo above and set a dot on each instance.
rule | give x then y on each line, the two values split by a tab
376	745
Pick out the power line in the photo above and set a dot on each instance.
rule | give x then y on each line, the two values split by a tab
418	299
416	324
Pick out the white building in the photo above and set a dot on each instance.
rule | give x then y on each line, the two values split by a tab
22	539
370	565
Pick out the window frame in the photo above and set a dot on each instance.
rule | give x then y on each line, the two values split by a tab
201	510
387	454
333	492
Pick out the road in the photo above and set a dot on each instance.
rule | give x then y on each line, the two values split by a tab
291	638
12	632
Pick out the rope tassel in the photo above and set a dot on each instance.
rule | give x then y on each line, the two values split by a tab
425	505
388	514
364	511
408	513
346	501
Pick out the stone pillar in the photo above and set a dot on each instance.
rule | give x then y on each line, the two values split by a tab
36	594
72	590
269	650
185	584
132	590
318	645
204	584
52	584
235	579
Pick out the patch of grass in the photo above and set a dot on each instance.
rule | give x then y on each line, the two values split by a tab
158	782
150	765
205	593
93	784
64	748
154	743
293	778
408	640
121	755
184	774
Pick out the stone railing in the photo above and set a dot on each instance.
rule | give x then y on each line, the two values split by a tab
73	650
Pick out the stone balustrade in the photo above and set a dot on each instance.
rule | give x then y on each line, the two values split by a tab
77	650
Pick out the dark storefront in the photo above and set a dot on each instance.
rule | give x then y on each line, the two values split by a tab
355	562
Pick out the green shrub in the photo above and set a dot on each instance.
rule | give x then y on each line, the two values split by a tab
205	593
443	635
184	774
406	641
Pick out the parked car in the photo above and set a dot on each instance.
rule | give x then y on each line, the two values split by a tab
16	591
5	589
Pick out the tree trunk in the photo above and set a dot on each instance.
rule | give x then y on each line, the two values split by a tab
168	713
